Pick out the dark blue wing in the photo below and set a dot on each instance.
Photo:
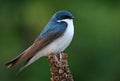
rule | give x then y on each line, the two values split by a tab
53	32
46	37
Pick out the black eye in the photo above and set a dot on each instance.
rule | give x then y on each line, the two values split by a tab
66	17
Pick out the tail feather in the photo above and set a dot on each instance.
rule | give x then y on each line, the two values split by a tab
31	60
13	62
29	53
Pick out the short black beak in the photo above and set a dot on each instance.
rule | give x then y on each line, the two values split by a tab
73	17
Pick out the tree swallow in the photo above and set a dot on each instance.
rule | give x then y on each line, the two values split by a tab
54	39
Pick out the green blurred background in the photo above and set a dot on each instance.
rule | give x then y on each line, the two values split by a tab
94	54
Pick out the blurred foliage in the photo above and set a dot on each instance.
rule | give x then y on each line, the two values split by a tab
94	54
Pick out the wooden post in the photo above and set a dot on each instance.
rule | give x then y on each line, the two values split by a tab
59	67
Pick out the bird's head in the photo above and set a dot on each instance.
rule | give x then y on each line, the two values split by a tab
62	15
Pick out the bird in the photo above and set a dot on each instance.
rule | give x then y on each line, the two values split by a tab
55	37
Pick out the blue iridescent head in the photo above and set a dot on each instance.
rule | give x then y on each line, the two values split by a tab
63	14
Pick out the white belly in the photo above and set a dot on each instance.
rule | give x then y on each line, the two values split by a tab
61	43
58	45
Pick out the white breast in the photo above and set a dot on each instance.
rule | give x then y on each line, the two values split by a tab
58	45
61	43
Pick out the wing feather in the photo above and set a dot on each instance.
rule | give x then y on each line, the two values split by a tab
44	39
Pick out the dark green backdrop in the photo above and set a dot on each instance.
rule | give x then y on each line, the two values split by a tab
94	54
